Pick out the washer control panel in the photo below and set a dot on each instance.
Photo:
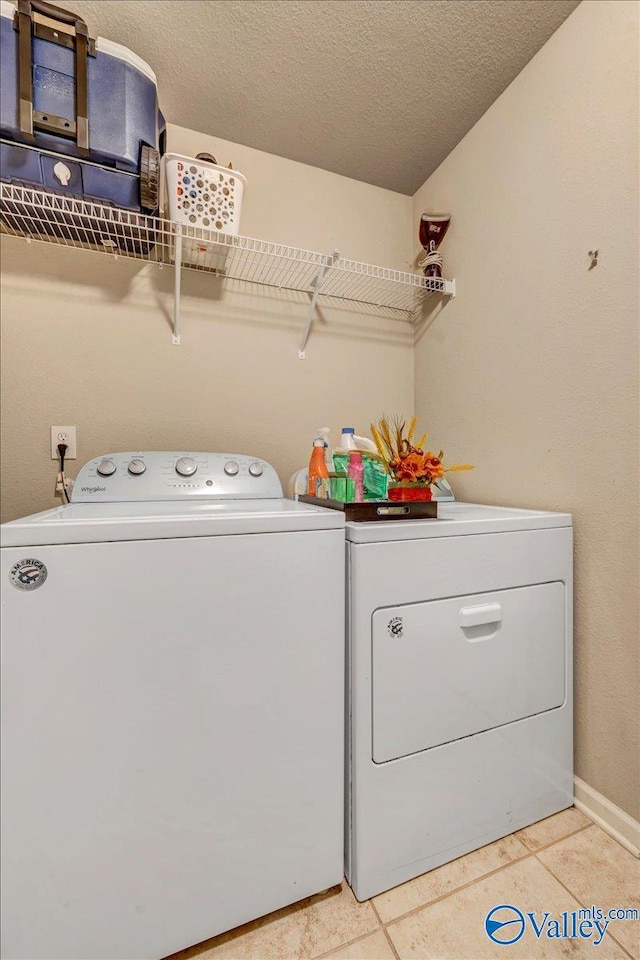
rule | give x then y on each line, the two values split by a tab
180	475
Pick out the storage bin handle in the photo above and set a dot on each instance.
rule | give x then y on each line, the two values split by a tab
25	24
56	13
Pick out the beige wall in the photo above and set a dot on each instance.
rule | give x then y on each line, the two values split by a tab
531	372
86	339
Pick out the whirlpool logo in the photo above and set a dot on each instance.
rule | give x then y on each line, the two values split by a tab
93	489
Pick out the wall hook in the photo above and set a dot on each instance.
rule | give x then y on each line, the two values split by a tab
594	258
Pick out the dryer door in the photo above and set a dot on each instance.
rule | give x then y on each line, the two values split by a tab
447	669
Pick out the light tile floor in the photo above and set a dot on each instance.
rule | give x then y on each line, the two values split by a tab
562	863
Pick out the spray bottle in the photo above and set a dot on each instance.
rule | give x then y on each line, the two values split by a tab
323	433
317	466
355	470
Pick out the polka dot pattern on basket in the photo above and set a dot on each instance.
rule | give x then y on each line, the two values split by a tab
207	196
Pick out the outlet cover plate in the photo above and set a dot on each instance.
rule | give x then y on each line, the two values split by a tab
63	435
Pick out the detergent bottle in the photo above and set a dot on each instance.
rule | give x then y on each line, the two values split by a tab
351	441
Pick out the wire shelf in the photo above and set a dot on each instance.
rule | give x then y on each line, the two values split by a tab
36	215
64	220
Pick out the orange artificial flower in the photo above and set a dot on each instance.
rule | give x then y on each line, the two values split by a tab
408	463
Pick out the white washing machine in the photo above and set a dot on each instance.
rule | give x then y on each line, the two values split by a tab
460	672
172	707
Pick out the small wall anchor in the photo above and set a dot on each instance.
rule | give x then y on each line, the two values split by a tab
594	258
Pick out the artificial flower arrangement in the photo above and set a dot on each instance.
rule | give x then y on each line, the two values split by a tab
412	468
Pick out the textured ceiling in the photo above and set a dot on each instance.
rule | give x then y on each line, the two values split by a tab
378	90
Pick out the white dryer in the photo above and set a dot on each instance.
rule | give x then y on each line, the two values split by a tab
172	707
460	672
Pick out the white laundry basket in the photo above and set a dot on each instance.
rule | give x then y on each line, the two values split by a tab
205	197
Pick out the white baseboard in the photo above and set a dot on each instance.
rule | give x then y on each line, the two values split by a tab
612	819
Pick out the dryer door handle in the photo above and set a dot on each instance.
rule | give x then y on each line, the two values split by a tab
477	616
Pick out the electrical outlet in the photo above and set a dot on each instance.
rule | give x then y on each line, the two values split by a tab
63	435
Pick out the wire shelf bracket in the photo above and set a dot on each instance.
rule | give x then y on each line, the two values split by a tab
177	283
317	286
36	215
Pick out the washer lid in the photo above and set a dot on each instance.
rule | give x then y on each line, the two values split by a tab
97	522
457	519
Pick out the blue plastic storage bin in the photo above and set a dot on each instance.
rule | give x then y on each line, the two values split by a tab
77	117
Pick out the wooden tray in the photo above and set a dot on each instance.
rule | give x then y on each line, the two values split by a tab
379	509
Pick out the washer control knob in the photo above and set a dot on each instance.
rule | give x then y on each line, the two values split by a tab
106	468
256	469
137	467
186	466
231	468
